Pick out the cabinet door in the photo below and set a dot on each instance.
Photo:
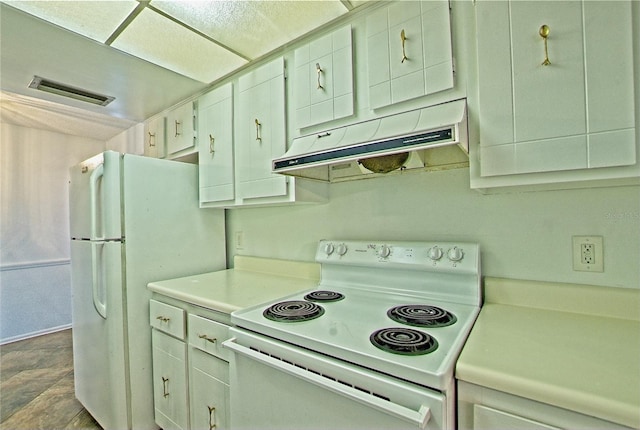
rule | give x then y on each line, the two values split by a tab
215	145
154	143
549	101
179	129
324	79
409	51
209	387
169	381
261	134
559	102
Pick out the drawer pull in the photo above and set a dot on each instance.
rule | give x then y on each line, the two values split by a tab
212	417
163	319
207	338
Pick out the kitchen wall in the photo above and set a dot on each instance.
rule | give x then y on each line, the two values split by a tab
522	235
35	293
526	235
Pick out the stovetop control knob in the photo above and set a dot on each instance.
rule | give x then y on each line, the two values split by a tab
384	251
435	253
329	248
342	249
455	254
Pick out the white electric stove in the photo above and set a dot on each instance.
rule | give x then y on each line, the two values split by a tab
383	329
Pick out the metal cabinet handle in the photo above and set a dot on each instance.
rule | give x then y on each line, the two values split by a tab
258	130
163	319
544	33
165	387
152	135
211	142
207	338
212	417
178	123
319	71
403	38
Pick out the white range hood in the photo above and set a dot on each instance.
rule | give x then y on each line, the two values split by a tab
336	154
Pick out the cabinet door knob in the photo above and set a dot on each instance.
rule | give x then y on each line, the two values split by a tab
544	33
211	142
165	387
163	319
258	130
178	133
152	135
319	70
212	417
403	38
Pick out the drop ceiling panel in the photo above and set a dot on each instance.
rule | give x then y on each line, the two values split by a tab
94	19
162	41
253	28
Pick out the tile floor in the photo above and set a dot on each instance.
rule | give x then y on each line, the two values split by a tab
36	385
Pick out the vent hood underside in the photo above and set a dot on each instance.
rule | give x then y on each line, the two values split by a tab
336	155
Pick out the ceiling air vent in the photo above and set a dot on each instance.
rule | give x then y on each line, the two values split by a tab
52	87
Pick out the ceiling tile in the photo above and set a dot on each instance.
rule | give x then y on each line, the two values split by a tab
94	19
159	40
253	28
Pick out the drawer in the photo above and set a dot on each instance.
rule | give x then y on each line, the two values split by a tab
167	318
208	335
212	366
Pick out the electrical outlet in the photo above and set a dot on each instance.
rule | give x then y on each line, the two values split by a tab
588	254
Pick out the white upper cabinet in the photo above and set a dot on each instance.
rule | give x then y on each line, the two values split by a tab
324	79
215	146
409	51
556	86
261	131
154	142
180	133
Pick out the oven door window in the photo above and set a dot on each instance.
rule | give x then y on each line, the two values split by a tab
306	391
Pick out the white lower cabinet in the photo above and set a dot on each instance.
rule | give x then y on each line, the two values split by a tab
190	367
209	391
481	408
169	381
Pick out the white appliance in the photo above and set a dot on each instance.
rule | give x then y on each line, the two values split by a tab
374	346
133	220
327	154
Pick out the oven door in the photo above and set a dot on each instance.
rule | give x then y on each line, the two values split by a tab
278	386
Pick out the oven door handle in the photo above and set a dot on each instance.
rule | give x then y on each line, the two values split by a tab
419	418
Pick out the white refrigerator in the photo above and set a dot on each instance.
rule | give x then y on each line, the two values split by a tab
133	220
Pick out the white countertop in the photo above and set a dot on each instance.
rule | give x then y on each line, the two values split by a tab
252	281
536	340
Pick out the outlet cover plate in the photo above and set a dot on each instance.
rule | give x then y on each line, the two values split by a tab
595	243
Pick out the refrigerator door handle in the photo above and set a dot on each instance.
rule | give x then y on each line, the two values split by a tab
96	175
97	284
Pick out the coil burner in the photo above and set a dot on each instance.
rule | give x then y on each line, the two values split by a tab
324	296
421	316
403	341
293	311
